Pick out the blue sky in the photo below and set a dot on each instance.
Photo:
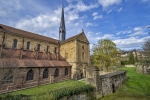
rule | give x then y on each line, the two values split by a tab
125	22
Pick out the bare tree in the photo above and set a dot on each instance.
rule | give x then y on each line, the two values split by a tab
146	49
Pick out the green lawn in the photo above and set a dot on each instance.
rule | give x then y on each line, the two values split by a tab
50	87
137	87
50	91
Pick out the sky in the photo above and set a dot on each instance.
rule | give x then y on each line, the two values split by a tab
125	22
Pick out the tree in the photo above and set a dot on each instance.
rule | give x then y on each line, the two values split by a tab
131	58
146	49
105	54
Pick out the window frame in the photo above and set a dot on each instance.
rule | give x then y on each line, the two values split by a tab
38	47
15	41
56	74
66	72
45	73
28	45
30	75
9	79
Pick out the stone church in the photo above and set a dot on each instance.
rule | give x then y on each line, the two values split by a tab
29	59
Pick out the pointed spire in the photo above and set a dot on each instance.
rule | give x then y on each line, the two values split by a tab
62	29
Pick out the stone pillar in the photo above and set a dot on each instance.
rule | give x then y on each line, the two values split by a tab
97	82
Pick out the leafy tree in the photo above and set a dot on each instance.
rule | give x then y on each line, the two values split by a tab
105	54
131	58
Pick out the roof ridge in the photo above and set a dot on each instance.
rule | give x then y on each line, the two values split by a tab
24	31
71	38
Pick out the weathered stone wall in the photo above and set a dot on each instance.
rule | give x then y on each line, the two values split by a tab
112	82
20	74
105	84
33	43
143	68
77	53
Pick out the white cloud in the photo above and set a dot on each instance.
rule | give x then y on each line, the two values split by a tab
94	14
107	3
138	29
130	43
98	33
98	17
145	0
76	24
124	32
120	9
89	24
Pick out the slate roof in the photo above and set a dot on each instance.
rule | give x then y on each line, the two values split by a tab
27	34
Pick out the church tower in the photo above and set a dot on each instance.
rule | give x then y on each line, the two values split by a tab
62	29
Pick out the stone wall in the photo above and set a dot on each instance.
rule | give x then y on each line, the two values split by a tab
77	53
20	82
105	84
143	68
33	43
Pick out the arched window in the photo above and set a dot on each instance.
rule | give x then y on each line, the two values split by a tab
28	45
66	71
56	73
45	73
15	43
82	54
30	75
8	77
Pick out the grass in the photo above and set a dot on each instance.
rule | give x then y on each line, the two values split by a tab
50	87
50	91
137	87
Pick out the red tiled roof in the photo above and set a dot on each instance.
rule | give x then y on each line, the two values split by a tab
11	59
27	34
14	62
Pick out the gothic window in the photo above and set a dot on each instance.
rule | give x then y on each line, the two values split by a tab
30	75
45	73
38	48
8	77
82	54
15	43
66	71
56	73
28	45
